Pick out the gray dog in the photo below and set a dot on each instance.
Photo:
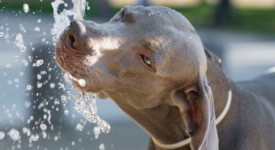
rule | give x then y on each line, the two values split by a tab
152	63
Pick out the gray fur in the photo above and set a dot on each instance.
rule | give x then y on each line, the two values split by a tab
180	93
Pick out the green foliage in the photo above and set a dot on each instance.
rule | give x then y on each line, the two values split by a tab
262	20
257	19
34	5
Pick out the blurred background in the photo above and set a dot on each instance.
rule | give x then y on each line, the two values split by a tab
33	111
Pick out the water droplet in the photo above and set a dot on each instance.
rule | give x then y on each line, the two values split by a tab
104	126
8	65
27	104
22	28
9	82
21	74
25	62
16	58
26	131
39	77
43	72
79	127
16	80
34	137
30	119
20	43
66	112
82	82
43	127
101	146
44	134
38	63
66	77
26	7
64	99
52	85
39	85
2	135
28	87
2	34
37	29
39	20
56	138
14	134
96	132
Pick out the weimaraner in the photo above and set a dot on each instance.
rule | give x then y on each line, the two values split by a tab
152	63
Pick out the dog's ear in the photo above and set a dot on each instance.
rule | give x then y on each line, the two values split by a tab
197	110
212	57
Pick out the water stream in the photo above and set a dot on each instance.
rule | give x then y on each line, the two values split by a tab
84	103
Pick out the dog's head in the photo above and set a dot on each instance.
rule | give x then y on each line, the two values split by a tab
144	57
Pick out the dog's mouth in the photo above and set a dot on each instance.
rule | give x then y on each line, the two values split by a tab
75	70
77	56
68	60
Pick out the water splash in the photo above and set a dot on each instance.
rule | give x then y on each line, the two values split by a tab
2	34
37	129
63	18
19	42
26	8
81	82
79	127
29	87
101	146
26	131
37	29
85	104
97	132
14	134
38	63
2	135
43	127
33	138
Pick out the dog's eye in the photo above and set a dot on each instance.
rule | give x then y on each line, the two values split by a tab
146	60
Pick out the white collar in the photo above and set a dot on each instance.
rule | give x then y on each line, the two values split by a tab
188	140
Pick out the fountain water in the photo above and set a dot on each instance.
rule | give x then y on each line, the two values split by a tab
85	103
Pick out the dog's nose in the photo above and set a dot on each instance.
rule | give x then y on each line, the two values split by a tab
75	35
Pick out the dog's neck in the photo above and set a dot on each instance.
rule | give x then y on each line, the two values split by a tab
162	122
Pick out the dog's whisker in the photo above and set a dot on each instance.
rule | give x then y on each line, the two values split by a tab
97	75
